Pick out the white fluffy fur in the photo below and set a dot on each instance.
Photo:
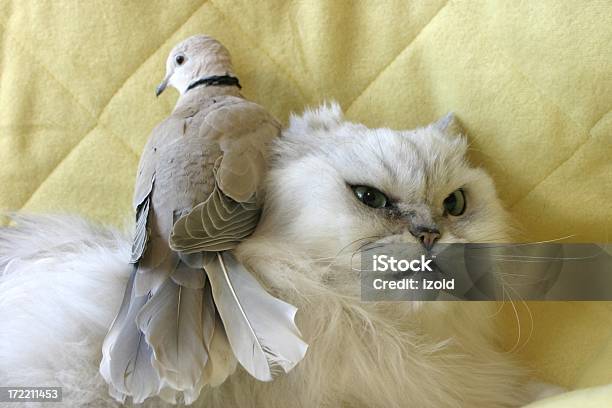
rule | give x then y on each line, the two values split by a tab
63	280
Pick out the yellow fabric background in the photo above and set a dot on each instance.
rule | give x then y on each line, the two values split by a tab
531	81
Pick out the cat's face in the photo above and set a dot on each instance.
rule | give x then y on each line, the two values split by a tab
337	184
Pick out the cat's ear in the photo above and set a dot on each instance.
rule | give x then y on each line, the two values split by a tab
450	128
327	116
449	125
305	131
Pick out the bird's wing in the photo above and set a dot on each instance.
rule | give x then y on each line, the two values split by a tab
143	189
159	324
243	131
183	176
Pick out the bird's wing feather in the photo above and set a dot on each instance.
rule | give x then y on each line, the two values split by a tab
169	128
208	316
217	224
189	277
141	234
222	362
147	231
244	131
260	328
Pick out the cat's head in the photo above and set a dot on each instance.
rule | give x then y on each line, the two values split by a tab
336	184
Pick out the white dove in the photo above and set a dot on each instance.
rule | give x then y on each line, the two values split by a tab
190	309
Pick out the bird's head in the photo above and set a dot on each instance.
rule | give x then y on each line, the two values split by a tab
193	59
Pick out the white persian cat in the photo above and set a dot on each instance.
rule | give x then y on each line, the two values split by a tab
333	187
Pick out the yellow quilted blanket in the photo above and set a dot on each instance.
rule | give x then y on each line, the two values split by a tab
531	81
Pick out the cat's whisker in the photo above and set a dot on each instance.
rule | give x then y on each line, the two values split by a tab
506	289
513	274
521	244
498	310
560	258
324	258
517	346
357	240
543	260
531	282
360	247
517	319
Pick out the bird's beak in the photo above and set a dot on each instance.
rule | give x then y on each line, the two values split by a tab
160	88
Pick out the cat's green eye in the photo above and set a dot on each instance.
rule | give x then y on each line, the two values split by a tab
370	196
455	203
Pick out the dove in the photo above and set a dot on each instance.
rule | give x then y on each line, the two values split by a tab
191	311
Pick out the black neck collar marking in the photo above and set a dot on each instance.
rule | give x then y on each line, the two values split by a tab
216	80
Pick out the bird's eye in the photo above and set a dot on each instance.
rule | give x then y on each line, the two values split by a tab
370	196
179	59
455	203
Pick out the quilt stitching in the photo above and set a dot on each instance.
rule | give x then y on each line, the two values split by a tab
544	96
384	68
39	186
600	119
70	94
574	152
548	100
552	171
43	66
119	139
97	126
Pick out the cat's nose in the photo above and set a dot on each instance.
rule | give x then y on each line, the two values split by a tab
427	235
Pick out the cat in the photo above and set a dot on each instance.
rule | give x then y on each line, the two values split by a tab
333	186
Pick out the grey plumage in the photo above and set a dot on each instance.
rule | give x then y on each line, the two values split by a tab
222	362
259	327
172	324
184	321
126	363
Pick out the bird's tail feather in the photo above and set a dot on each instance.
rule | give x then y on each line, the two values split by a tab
126	357
198	325
168	325
260	328
172	324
